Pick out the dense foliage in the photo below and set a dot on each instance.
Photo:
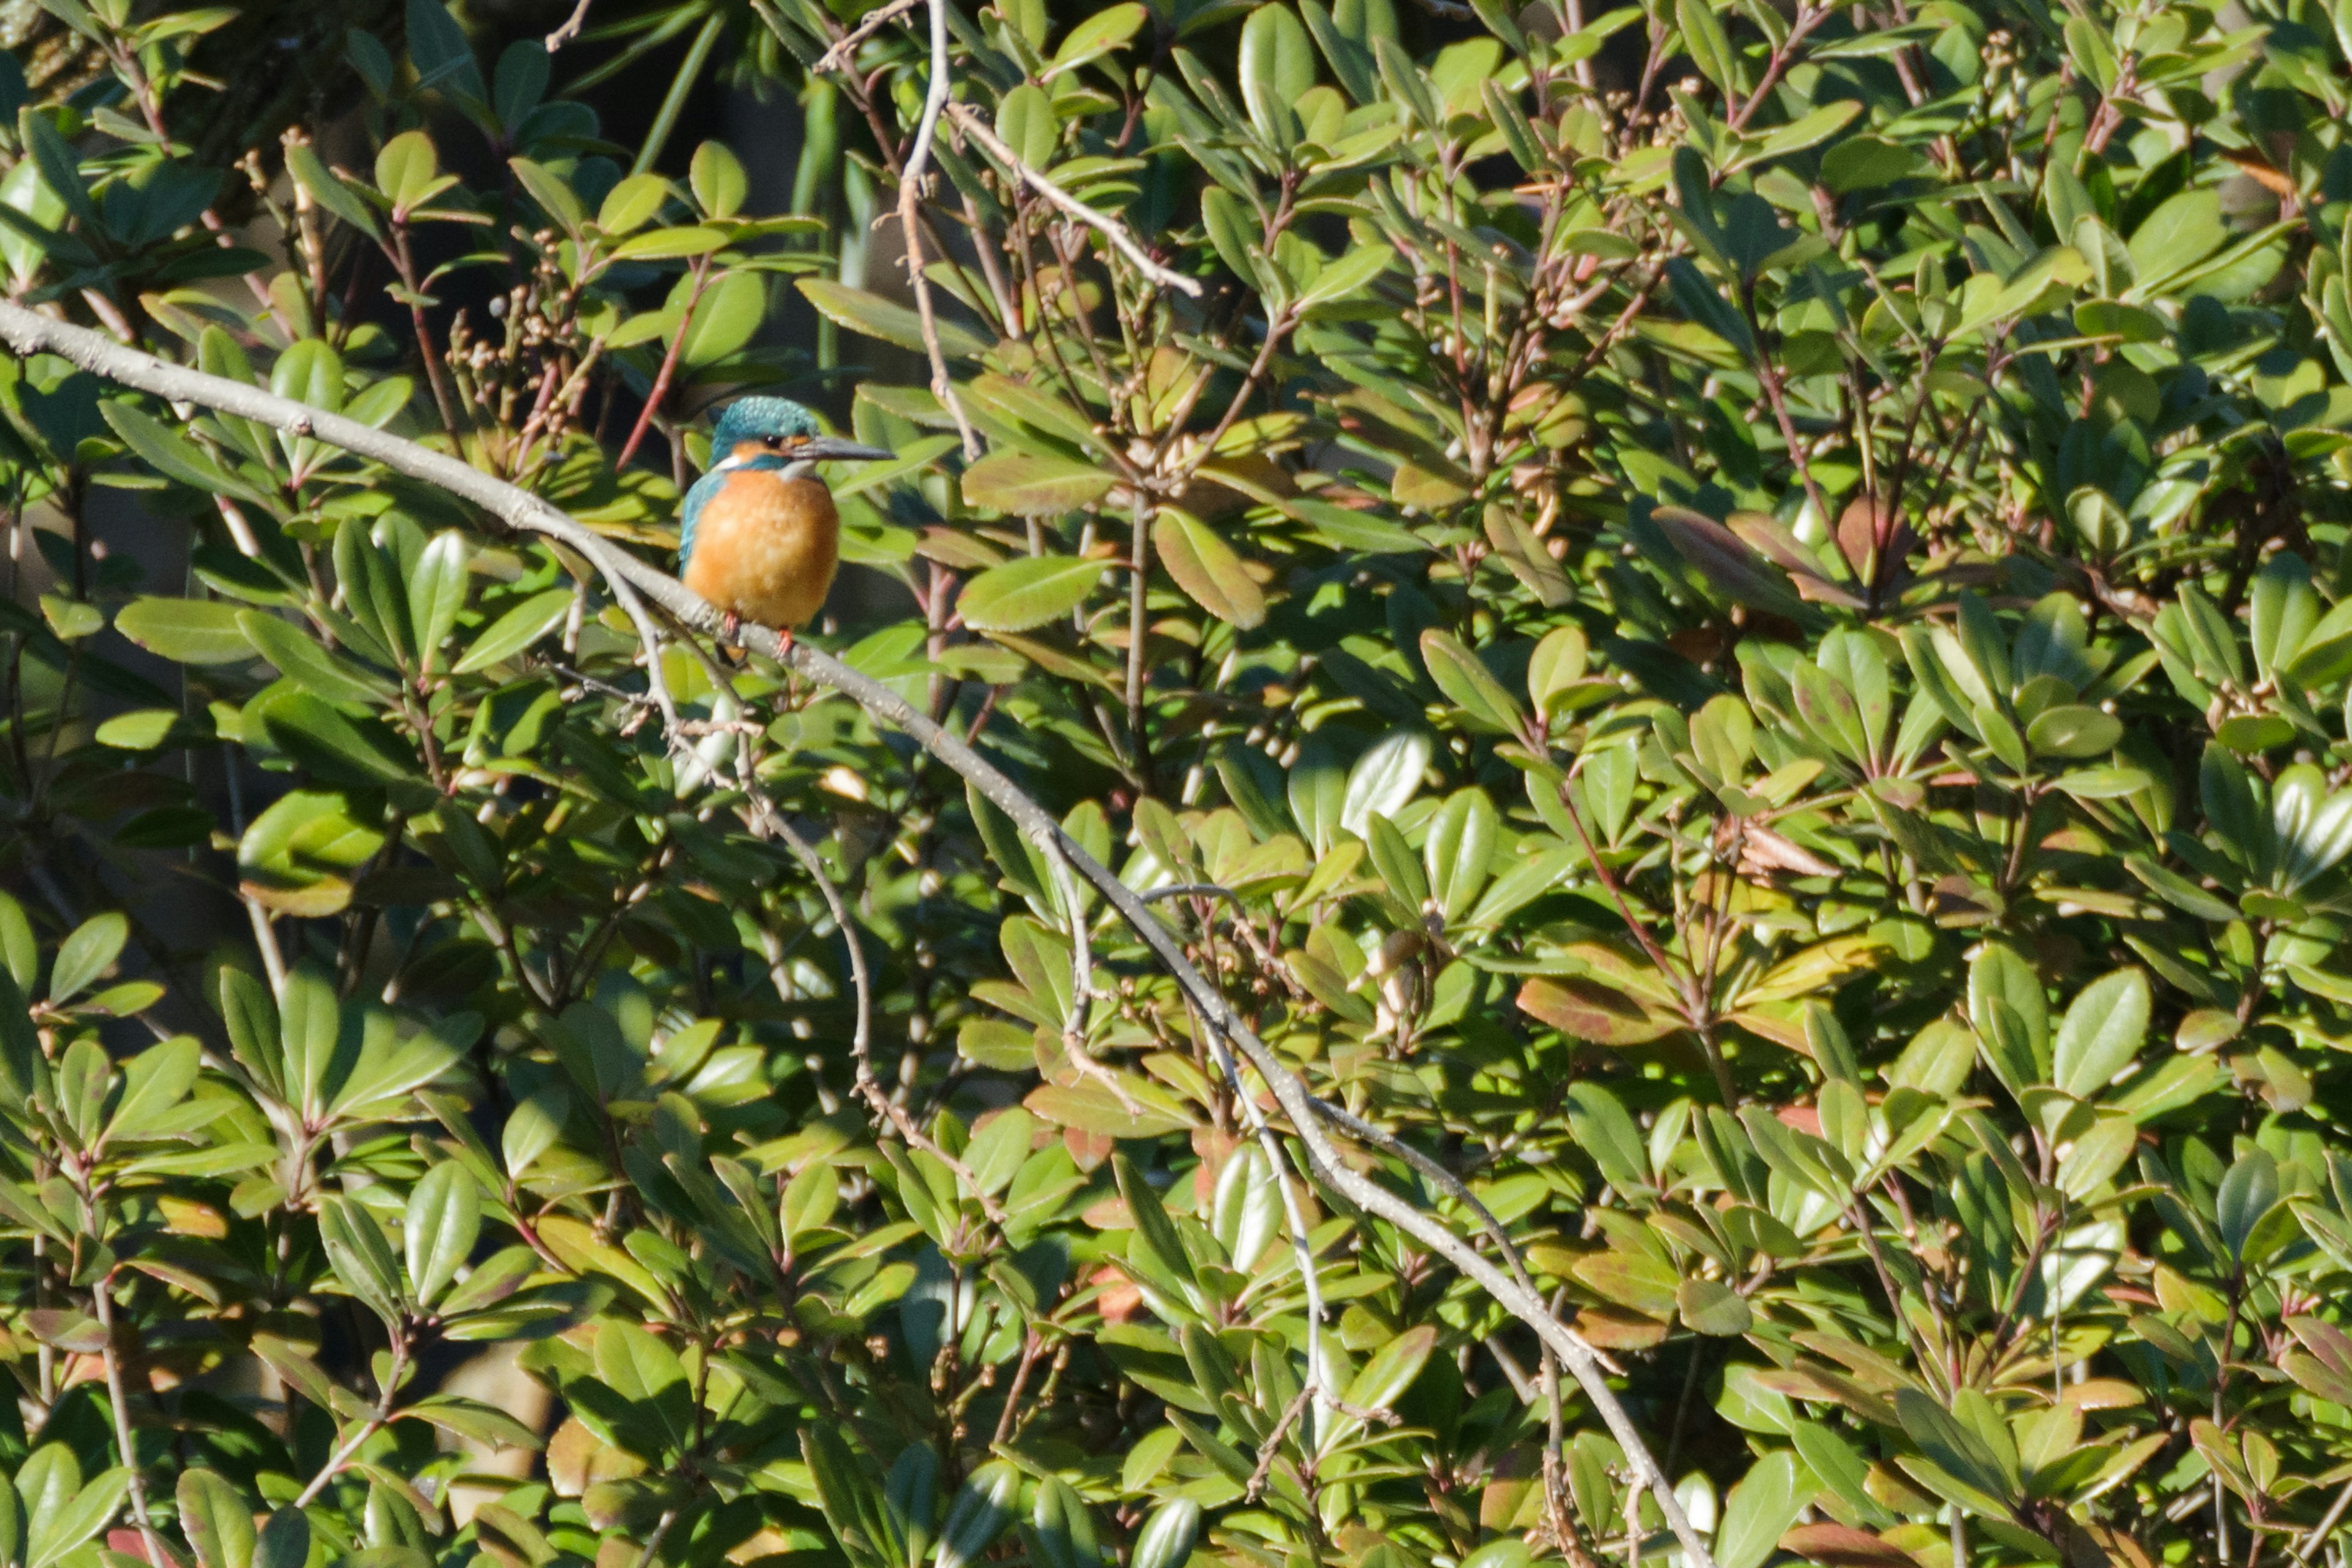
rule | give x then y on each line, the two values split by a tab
1733	621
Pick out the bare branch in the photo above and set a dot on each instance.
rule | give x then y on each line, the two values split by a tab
969	121
911	195
837	58
570	28
2325	1527
28	331
102	1304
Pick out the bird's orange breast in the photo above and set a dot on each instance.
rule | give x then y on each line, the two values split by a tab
765	549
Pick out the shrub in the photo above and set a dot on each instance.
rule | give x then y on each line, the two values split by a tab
1717	637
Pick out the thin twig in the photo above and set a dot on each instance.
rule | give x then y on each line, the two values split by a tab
1455	1188
570	28
2328	1523
376	1422
969	121
28	331
837	58
102	1303
911	195
861	1041
1273	1444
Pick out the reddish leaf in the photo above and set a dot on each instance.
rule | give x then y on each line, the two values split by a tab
1843	1546
1589	1010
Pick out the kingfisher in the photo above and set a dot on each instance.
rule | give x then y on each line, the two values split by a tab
759	537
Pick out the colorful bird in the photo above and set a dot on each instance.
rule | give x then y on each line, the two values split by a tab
759	537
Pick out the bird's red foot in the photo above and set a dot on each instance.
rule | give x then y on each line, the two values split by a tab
730	627
784	641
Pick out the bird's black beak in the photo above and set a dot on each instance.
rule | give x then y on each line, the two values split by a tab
834	449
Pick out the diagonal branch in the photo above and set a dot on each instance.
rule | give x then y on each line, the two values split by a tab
28	331
969	121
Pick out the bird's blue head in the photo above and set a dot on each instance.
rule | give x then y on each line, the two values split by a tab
776	432
761	419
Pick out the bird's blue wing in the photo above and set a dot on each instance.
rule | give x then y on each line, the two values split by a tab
690	513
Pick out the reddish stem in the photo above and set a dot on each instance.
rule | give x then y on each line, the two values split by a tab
668	367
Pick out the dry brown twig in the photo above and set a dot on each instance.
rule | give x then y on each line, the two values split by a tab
632	581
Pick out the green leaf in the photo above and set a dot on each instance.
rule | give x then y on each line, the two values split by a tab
1168	1537
172	454
552	192
1950	1446
406	173
443	1217
436	592
1630	1279
883	320
297	855
978	1515
328	190
631	205
851	1501
363	1262
1062	1533
1026	122
516	630
1391	1369
309	666
155	1082
648	1374
2249	1190
1808	129
1710	50
1031	485
1761	1507
472	1420
20	950
59	170
1604	1130
86	953
2010	1015
2103	1031
670	244
1711	1307
1277	67
1459	850
2074	730
284	1540
1477	695
185	631
309	371
908	1494
1347	277
1206	568
61	1510
335	747
718	179
1232	231
725	320
1027	592
216	1519
1109	29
